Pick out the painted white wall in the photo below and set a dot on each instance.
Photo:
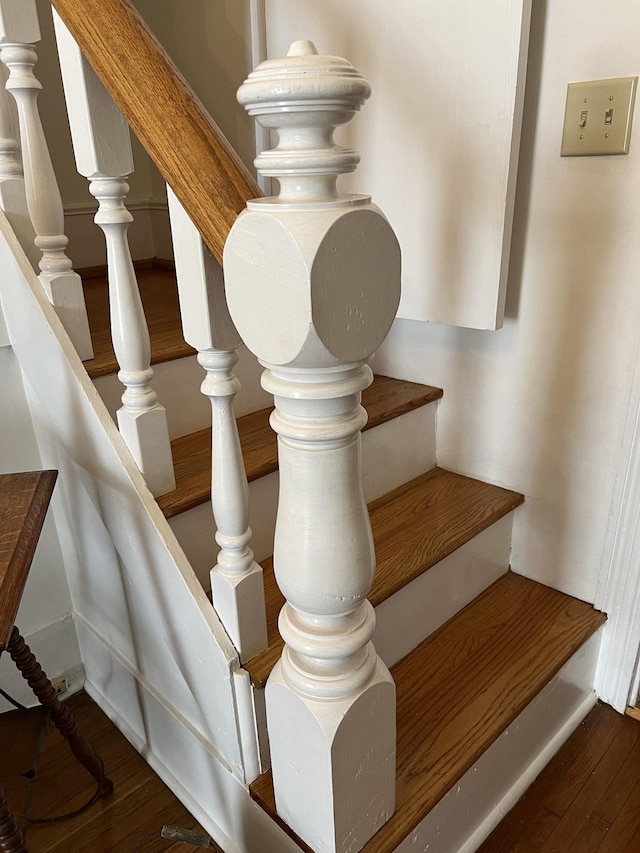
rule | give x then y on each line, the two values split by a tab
45	612
540	406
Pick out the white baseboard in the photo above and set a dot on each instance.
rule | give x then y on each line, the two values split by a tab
56	649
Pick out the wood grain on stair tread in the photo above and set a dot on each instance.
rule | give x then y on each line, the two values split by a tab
160	301
414	527
465	684
386	399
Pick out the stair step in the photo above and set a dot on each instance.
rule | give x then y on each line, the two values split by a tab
160	301
384	400
414	527
461	688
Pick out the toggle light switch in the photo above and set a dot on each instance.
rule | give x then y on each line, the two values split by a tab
598	116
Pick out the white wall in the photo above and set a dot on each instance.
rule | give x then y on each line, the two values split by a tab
540	405
44	618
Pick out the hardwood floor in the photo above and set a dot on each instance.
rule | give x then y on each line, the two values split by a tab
587	800
129	821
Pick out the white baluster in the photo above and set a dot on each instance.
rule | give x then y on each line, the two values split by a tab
313	283
13	199
102	147
236	581
19	27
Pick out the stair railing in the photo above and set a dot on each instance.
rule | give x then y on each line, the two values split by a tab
19	31
237	583
314	308
101	142
102	147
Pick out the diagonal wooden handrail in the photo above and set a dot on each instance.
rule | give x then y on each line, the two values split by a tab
187	146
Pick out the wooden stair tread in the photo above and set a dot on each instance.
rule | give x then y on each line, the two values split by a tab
414	527
464	685
386	399
160	301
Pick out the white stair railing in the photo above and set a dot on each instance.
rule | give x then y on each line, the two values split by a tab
102	147
19	30
237	586
313	284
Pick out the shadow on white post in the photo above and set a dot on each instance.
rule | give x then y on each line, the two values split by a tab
102	148
19	28
237	584
313	284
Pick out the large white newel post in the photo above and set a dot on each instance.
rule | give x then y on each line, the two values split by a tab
19	28
102	148
313	284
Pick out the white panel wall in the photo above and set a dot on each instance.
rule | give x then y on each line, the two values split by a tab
438	139
540	406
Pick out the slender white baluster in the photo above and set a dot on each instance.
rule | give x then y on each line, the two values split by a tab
236	581
19	27
313	283
102	148
13	199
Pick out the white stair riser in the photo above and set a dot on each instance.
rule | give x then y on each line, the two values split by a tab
464	818
393	453
409	616
177	384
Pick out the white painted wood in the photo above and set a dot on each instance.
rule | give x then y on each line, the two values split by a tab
62	285
177	384
618	592
440	140
142	419
129	579
316	306
474	807
19	21
102	147
212	794
425	604
237	585
13	198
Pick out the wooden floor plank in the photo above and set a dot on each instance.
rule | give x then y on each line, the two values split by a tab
160	301
625	827
611	803
465	684
384	400
414	527
139	806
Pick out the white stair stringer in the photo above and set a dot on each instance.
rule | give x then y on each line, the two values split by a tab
392	454
130	580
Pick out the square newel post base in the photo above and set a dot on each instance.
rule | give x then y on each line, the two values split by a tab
65	293
333	762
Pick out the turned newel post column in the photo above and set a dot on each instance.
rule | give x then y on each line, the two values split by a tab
312	281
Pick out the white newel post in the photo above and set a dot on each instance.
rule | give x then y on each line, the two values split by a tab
19	28
102	148
237	584
313	284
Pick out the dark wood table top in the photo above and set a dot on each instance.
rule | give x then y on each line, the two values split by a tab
24	499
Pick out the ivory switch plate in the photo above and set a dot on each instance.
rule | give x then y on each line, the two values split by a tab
597	118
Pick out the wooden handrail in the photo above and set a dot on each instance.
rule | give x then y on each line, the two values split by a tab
188	148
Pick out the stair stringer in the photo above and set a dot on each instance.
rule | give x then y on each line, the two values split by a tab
133	590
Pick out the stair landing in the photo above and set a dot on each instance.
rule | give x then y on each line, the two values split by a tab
463	686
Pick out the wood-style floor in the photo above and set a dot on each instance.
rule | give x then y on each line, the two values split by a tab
129	821
587	800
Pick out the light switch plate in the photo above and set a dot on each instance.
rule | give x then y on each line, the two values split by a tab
597	118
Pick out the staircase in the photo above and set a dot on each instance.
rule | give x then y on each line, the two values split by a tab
492	671
480	649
